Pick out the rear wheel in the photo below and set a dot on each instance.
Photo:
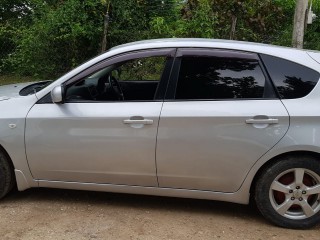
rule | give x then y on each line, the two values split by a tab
6	175
288	192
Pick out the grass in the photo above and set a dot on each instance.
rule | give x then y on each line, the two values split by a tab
10	79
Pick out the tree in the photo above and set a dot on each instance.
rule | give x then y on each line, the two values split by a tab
46	38
299	23
128	22
61	37
105	26
14	9
193	18
14	15
251	20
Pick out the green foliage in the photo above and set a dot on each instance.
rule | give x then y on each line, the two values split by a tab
258	21
7	34
312	35
145	69
160	8
128	22
196	21
59	40
12	10
46	38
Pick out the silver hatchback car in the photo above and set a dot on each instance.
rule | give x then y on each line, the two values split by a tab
193	118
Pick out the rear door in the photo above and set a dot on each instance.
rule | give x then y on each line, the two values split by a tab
221	115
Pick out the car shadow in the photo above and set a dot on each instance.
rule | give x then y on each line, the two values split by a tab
147	203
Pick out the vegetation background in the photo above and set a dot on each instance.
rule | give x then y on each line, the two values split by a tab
45	39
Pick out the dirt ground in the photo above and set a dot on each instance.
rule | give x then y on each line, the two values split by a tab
64	214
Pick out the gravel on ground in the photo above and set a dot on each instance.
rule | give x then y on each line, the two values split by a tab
80	215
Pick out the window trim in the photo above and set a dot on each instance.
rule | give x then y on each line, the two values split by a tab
169	53
269	91
267	75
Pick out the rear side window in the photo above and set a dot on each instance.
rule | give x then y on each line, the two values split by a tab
292	80
207	77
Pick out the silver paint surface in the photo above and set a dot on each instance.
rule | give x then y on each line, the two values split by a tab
11	90
88	142
208	145
204	149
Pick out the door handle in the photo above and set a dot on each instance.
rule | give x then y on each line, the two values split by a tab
140	121
262	121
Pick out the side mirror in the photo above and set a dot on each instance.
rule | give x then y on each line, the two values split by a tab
57	94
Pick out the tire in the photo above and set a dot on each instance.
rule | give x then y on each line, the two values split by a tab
6	175
287	193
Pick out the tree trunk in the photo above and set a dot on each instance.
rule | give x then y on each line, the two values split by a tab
233	27
105	32
299	23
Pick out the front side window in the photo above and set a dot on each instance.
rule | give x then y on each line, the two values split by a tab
131	80
207	77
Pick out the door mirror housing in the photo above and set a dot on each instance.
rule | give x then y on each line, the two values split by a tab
57	94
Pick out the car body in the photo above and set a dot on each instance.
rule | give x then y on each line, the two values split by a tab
194	118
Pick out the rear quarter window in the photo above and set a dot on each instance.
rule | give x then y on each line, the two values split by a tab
292	80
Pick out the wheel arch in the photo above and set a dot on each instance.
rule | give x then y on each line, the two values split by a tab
276	159
4	151
19	177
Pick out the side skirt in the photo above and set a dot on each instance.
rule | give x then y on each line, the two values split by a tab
240	196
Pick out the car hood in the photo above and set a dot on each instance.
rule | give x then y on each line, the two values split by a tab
14	90
11	90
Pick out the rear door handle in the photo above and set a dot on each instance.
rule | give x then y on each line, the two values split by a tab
140	121
262	121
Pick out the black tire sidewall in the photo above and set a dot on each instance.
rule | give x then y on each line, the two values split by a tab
6	175
266	179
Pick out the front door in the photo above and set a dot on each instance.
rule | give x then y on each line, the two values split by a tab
105	132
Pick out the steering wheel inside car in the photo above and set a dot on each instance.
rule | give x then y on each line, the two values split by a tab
115	87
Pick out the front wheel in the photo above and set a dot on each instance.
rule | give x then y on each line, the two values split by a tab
6	175
288	192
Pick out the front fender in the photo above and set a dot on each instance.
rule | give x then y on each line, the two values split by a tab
12	131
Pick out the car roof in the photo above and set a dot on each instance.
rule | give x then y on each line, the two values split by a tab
205	43
193	42
299	56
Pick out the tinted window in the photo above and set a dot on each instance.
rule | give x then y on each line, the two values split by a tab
291	79
219	78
